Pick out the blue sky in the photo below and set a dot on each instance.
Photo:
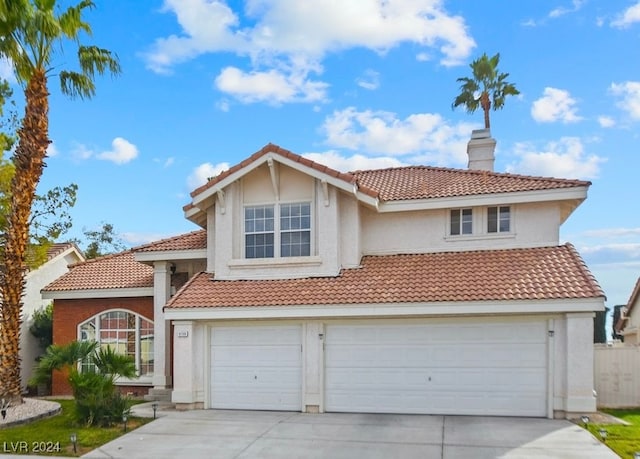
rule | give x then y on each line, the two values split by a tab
354	84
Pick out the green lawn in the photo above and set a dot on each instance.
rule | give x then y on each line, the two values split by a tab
51	436
624	440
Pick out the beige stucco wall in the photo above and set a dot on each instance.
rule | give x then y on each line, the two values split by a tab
257	188
533	225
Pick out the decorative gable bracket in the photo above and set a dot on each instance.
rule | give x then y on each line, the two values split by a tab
325	192
273	171
221	201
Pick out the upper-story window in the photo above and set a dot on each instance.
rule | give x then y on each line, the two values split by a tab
461	221
282	230
125	333
499	219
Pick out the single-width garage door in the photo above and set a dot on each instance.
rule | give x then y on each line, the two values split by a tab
256	367
437	368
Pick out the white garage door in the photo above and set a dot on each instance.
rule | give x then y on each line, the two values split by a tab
256	367
442	368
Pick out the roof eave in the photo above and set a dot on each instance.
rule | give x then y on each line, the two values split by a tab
162	255
574	196
97	293
444	308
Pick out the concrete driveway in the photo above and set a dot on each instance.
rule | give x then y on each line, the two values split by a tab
223	434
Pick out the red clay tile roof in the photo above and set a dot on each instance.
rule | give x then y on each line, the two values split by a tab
272	148
120	270
413	182
57	248
190	241
489	275
424	182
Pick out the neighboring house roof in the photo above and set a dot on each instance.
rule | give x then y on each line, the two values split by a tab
191	241
413	182
61	247
513	274
633	299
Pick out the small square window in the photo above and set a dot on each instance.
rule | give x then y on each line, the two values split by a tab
461	222
499	219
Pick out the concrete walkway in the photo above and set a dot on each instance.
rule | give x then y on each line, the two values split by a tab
259	434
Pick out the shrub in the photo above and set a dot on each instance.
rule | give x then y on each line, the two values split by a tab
97	399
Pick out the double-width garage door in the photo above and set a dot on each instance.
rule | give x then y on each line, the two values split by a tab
445	368
429	367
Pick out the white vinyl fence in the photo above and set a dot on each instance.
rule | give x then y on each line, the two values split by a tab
617	375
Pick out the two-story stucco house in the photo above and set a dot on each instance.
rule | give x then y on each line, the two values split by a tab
404	290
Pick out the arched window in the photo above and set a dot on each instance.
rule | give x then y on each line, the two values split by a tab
126	333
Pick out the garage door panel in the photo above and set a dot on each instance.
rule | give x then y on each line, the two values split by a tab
442	368
256	367
264	356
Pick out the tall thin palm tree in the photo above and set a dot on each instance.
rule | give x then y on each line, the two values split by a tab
32	32
486	88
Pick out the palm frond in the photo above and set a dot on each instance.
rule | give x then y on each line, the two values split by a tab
76	84
97	60
112	363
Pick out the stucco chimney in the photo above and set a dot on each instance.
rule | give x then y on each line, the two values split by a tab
481	150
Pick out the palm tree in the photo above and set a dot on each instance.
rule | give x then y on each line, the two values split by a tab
31	31
486	85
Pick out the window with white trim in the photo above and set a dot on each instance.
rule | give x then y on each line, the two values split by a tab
282	230
499	219
461	222
126	333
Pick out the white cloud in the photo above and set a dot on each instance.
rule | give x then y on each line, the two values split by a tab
565	158
555	105
292	37
272	86
606	121
628	94
369	80
335	160
427	137
203	173
122	152
614	252
81	152
627	17
52	150
562	10
613	232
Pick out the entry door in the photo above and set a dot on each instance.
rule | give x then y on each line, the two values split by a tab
437	368
256	367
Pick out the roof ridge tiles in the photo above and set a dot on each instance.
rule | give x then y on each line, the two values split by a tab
167	239
470	172
101	258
